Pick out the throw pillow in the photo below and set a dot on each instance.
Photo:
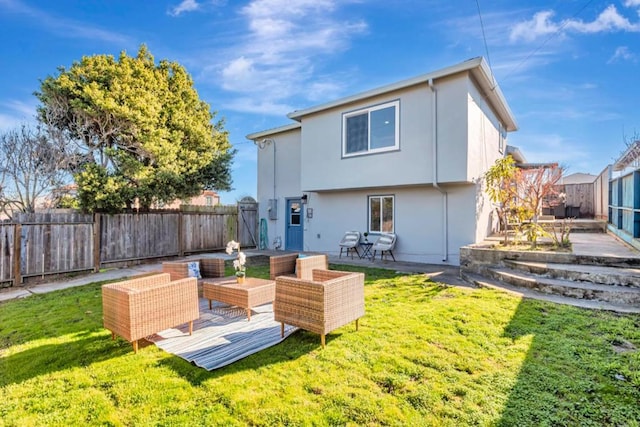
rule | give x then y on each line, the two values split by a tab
194	269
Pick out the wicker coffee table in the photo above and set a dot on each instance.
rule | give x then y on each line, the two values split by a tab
253	292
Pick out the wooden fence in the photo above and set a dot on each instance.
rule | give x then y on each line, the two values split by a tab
43	244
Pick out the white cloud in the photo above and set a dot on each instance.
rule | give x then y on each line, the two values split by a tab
632	3
609	20
539	25
16	113
623	53
184	6
280	55
258	106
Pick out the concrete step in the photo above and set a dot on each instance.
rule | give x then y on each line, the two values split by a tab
485	282
604	275
581	290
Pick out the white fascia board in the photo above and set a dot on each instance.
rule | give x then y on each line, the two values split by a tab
274	131
494	95
463	66
477	66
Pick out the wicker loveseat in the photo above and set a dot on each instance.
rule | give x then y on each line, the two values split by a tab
136	308
209	268
294	265
328	301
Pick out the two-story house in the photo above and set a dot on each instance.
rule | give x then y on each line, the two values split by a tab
407	158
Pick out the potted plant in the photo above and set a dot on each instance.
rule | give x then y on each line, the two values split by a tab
239	262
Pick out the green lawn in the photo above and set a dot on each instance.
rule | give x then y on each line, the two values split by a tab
425	354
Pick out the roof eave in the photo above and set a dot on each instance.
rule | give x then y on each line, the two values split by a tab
494	94
477	66
424	78
264	133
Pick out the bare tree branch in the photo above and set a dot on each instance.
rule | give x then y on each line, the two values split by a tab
30	168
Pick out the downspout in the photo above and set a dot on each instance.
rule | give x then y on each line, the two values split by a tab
445	195
274	170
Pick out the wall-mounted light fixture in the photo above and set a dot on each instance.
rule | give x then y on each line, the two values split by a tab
304	199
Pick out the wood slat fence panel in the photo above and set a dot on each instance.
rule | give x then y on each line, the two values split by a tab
207	231
55	243
6	254
126	237
581	195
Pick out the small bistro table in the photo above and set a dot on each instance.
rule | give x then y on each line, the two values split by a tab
366	250
253	292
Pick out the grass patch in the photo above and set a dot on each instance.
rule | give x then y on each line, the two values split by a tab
426	354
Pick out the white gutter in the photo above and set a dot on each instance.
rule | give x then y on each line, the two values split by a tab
445	195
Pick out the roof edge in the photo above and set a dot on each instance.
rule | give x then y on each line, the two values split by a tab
453	69
268	132
477	66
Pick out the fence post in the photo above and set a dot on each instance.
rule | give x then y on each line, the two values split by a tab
181	243
17	254
96	242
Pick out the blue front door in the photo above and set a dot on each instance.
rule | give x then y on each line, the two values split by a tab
294	225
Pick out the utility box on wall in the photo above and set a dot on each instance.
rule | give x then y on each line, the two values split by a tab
273	208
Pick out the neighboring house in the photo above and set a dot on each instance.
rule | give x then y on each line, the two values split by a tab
578	178
407	158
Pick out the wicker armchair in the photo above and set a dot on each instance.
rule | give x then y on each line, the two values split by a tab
293	265
328	301
137	308
209	268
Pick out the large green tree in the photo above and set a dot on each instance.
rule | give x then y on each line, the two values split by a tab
136	130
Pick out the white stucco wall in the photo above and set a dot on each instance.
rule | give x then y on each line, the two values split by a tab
483	151
285	175
309	160
418	219
483	134
322	147
322	140
452	129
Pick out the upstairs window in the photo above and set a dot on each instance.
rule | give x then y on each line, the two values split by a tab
371	130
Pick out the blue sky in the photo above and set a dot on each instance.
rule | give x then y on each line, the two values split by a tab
568	68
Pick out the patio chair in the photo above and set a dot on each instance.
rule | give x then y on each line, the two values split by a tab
296	265
385	243
329	300
136	308
349	243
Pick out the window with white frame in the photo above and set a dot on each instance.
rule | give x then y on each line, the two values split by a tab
371	130
381	211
